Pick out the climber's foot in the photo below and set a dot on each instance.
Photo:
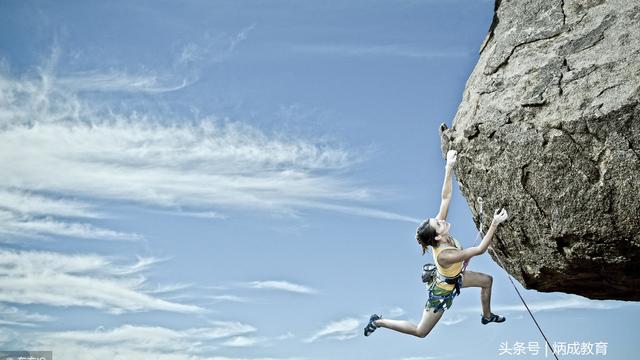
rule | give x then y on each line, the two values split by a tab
492	318
371	326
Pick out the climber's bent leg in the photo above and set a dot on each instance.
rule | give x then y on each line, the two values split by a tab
483	281
429	320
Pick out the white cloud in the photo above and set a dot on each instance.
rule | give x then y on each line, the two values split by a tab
49	278
240	37
281	285
198	214
32	215
32	204
117	81
77	149
231	298
10	315
162	289
454	320
563	304
396	312
135	342
142	264
212	48
569	302
12	224
242	341
288	335
362	211
344	329
149	337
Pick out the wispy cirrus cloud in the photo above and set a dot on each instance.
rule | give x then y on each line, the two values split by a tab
29	226
118	81
13	316
212	47
454	320
21	202
163	289
28	214
396	312
229	298
566	303
363	211
344	329
197	166
152	337
209	163
140	342
281	286
243	341
197	214
55	279
206	300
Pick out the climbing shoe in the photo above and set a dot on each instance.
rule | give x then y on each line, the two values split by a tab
371	326
492	318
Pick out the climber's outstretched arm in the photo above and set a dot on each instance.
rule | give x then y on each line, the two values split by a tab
446	187
449	257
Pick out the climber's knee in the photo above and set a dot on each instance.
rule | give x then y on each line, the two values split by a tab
487	281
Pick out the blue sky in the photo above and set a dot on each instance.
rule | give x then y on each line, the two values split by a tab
242	180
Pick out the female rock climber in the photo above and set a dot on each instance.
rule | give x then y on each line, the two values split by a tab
449	257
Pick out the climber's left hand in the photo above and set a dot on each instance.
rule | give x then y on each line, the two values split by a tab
451	158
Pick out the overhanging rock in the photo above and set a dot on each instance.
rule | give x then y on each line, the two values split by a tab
549	127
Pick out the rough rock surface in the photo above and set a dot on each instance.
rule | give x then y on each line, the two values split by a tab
549	127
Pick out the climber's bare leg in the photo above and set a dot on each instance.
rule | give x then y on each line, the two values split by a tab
483	281
429	320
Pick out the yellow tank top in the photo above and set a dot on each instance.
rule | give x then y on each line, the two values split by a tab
450	271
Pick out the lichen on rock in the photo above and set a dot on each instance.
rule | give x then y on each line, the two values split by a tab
549	127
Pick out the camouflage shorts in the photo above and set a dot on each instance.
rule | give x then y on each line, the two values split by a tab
435	303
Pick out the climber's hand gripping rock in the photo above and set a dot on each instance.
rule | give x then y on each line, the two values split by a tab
500	216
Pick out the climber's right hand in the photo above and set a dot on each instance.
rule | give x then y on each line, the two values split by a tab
452	156
500	216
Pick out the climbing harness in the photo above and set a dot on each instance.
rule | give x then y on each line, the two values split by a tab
444	301
480	201
440	298
431	277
